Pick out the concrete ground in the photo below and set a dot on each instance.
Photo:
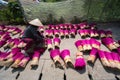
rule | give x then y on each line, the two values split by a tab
49	72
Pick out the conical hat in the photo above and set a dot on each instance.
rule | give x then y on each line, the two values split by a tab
36	22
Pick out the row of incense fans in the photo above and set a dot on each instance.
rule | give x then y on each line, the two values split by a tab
64	30
70	30
91	45
82	25
10	29
14	48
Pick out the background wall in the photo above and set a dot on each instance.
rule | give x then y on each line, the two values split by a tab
65	11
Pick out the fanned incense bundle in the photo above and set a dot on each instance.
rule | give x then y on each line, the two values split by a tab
65	55
79	61
93	55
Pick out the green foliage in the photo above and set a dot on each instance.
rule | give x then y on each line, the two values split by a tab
11	14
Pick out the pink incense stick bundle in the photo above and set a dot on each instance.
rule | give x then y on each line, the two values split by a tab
87	26
91	33
92	26
2	43
78	25
48	27
66	33
56	33
16	31
116	59
79	46
84	44
96	33
108	33
5	37
109	42
16	42
57	27
10	42
54	54
73	32
56	42
102	33
79	61
49	33
104	41
3	55
11	29
83	25
24	62
95	43
93	55
86	32
6	28
36	56
66	26
52	27
21	44
49	44
112	44
19	31
82	33
62	33
37	53
88	43
65	55
17	59
13	52
46	33
110	59
61	26
1	33
2	27
103	58
74	26
69	26
10	60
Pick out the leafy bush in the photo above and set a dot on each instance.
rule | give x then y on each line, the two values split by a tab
11	14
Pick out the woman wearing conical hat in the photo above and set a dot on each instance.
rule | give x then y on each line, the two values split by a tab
32	33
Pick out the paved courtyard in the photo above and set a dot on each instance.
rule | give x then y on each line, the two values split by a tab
49	72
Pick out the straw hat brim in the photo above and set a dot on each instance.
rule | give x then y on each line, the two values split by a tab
36	22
